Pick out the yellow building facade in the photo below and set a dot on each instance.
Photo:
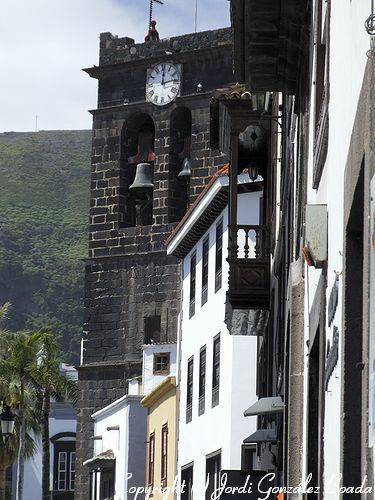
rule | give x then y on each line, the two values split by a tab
162	439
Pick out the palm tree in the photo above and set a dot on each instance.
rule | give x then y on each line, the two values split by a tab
53	384
9	446
18	367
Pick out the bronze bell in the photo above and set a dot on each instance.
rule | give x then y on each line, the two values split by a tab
186	169
143	178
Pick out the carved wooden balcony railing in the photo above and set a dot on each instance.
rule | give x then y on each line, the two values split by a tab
249	267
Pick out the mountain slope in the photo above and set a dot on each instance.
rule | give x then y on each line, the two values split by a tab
44	203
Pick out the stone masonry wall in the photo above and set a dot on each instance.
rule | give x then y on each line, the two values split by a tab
128	274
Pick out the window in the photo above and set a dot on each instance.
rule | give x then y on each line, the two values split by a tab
107	482
321	77
72	471
189	391
205	253
62	470
64	466
187	482
219	256
213	467
193	266
151	459
161	363
202	380
216	371
164	455
152	328
249	457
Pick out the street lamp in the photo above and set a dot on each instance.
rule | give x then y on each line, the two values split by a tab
7	421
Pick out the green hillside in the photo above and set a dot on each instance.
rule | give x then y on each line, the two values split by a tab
44	202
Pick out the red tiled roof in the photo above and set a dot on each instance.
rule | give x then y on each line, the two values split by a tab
222	172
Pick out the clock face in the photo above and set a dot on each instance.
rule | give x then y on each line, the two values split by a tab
163	83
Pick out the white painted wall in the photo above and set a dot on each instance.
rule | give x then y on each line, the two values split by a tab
128	446
348	46
150	380
222	427
372	326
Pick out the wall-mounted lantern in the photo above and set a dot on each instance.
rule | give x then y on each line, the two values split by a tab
253	171
7	421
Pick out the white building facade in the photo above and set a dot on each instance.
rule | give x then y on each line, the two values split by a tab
337	318
118	465
217	370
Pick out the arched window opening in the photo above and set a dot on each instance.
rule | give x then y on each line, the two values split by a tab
137	167
179	164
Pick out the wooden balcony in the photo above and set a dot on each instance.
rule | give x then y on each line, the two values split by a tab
249	267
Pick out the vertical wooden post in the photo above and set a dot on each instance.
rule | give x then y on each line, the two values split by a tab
233	196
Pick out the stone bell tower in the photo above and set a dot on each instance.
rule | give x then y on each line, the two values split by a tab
150	159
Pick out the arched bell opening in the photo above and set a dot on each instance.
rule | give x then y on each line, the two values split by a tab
137	170
179	163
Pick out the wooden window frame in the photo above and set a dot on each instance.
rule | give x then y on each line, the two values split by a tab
68	449
216	375
162	372
219	255
151	460
107	481
164	456
205	268
189	470
213	484
202	379
193	283
189	389
321	77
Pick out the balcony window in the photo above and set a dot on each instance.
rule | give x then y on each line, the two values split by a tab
189	391
202	380
205	254
216	371
193	269
219	256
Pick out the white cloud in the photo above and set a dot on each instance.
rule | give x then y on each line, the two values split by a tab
44	44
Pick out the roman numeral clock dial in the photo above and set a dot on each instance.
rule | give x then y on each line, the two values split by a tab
163	83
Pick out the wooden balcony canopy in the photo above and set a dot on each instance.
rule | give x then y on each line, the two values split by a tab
270	38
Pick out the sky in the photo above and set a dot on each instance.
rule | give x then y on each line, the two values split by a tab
44	44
